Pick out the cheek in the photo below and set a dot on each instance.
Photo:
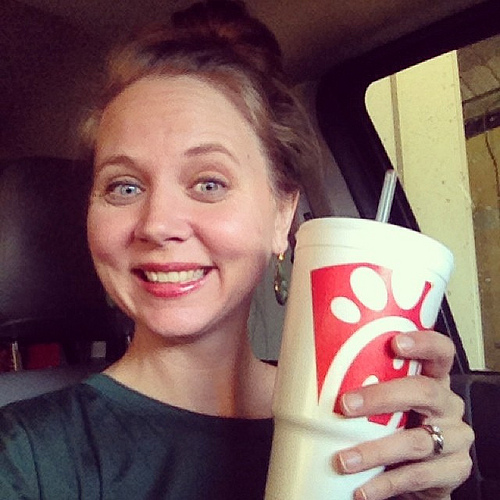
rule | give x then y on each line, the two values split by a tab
105	235
240	232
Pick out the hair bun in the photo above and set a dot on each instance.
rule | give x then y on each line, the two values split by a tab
225	22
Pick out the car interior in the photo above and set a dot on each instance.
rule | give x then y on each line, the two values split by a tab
410	85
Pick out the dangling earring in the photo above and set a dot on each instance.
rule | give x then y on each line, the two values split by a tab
280	281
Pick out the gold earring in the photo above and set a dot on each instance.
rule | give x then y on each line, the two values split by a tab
280	281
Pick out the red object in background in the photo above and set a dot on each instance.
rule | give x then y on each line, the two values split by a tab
40	356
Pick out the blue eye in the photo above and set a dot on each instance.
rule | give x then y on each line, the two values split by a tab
121	192
210	190
208	186
126	190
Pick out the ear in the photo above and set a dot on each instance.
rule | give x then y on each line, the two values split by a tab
286	207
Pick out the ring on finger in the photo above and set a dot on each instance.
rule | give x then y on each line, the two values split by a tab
437	437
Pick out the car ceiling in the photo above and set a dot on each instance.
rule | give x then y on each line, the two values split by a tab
314	35
307	30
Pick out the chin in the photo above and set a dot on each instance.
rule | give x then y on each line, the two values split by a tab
172	331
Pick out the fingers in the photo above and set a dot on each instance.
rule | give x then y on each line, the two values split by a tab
424	395
428	394
438	479
434	350
422	470
408	455
404	446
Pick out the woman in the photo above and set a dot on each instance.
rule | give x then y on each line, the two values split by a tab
198	150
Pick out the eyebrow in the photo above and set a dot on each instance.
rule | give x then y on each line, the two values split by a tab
211	147
115	159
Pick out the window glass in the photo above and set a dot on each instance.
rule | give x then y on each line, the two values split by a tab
439	122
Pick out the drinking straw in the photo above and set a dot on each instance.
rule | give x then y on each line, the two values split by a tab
387	196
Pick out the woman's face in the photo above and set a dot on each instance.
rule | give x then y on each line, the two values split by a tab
182	218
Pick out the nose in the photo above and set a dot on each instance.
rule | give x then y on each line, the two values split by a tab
163	219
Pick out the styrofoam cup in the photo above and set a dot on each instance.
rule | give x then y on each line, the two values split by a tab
355	284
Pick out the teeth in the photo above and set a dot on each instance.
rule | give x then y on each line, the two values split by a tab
174	276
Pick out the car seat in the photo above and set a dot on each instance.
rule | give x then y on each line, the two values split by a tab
49	291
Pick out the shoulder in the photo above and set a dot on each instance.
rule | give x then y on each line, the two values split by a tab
29	431
47	400
39	436
46	412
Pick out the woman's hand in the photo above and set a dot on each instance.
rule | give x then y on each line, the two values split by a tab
413	469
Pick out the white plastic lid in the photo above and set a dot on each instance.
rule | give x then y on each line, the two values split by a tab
377	237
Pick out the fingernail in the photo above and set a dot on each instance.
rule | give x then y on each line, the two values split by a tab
360	494
405	343
352	402
349	460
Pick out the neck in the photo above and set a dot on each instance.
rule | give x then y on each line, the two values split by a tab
214	375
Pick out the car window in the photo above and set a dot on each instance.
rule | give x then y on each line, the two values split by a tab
409	105
438	121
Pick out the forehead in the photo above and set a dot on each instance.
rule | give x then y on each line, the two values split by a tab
160	120
175	104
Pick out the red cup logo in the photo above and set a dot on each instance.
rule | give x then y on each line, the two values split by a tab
357	310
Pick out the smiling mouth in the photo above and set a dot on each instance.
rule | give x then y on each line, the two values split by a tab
173	276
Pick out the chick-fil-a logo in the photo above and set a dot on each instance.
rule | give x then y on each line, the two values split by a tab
357	309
